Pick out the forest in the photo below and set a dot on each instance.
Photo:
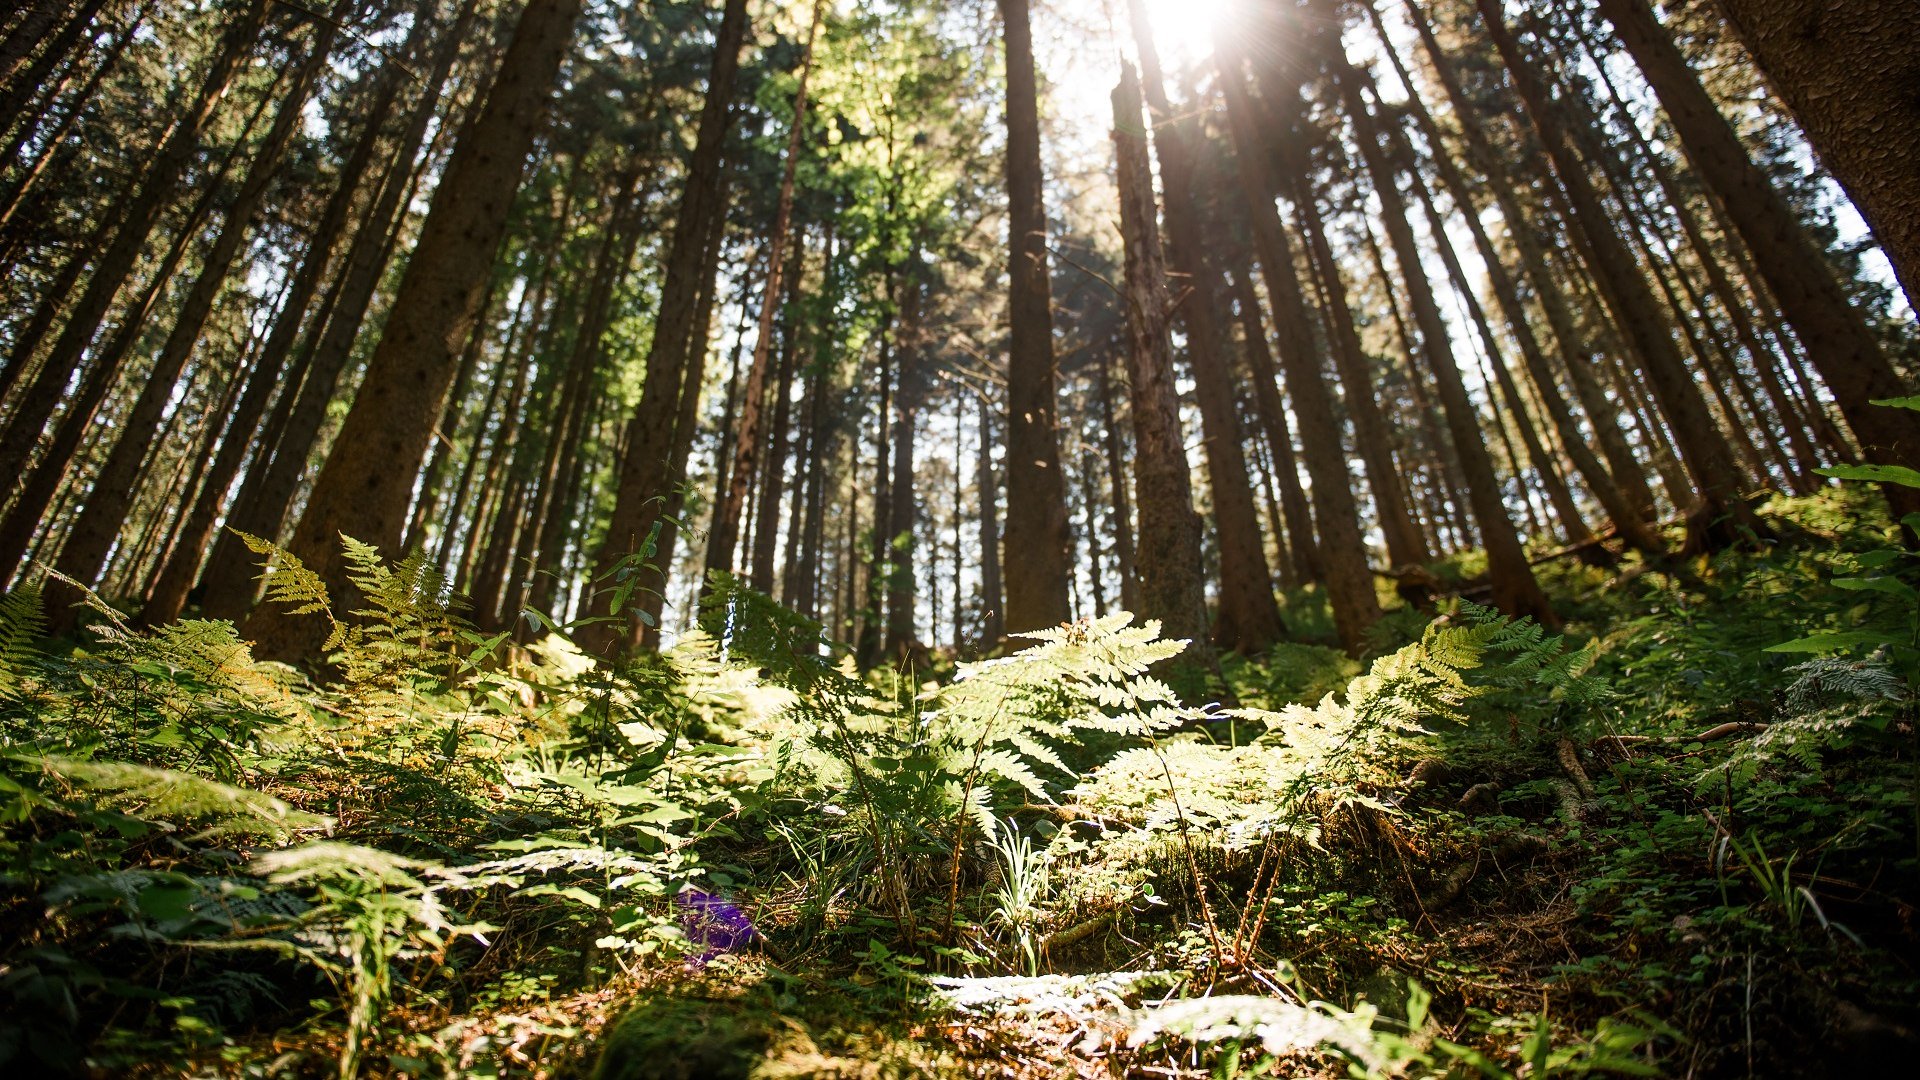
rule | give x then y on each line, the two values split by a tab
959	538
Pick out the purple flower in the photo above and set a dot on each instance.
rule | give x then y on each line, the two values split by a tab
713	925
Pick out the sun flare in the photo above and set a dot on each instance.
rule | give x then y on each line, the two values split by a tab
1184	29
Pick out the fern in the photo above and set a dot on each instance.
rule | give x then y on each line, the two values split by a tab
1826	702
166	795
187	693
1279	1027
1315	759
288	581
23	623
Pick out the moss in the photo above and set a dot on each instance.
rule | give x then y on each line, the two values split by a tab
759	1032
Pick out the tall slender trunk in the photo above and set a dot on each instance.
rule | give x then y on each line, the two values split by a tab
111	270
557	468
1249	619
993	623
773	471
168	595
1280	78
367	482
1559	496
41	483
1721	516
748	433
1037	581
105	509
1337	518
674	363
1303	550
1126	562
902	550
1634	499
686	420
54	141
1628	521
260	506
805	542
1838	340
1515	591
1172	582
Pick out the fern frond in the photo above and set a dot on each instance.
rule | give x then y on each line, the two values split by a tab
23	622
164	794
332	859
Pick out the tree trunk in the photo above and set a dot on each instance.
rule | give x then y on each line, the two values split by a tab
1721	516
687	421
366	484
105	509
1249	619
115	264
260	506
1303	550
1515	591
646	476
1126	561
1837	338
168	595
1168	560
19	83
1337	518
1847	69
1280	79
993	624
1631	497
748	434
903	501
1037	581
773	472
805	542
1628	521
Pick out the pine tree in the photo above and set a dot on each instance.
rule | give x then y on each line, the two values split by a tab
366	485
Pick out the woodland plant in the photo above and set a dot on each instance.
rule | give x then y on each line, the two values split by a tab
570	818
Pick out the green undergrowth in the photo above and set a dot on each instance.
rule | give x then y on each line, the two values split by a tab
1677	839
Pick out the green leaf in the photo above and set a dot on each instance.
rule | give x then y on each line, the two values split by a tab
1887	585
1832	640
571	892
1879	474
166	902
1898	402
1534	1050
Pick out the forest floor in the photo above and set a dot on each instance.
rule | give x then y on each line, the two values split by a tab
1681	840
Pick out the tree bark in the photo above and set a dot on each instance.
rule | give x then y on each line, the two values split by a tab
260	506
1515	591
1634	499
365	487
646	476
105	509
1721	515
993	623
1126	562
1847	69
1249	619
1303	551
1838	341
1037	581
1337	518
112	269
1628	520
748	435
1168	560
